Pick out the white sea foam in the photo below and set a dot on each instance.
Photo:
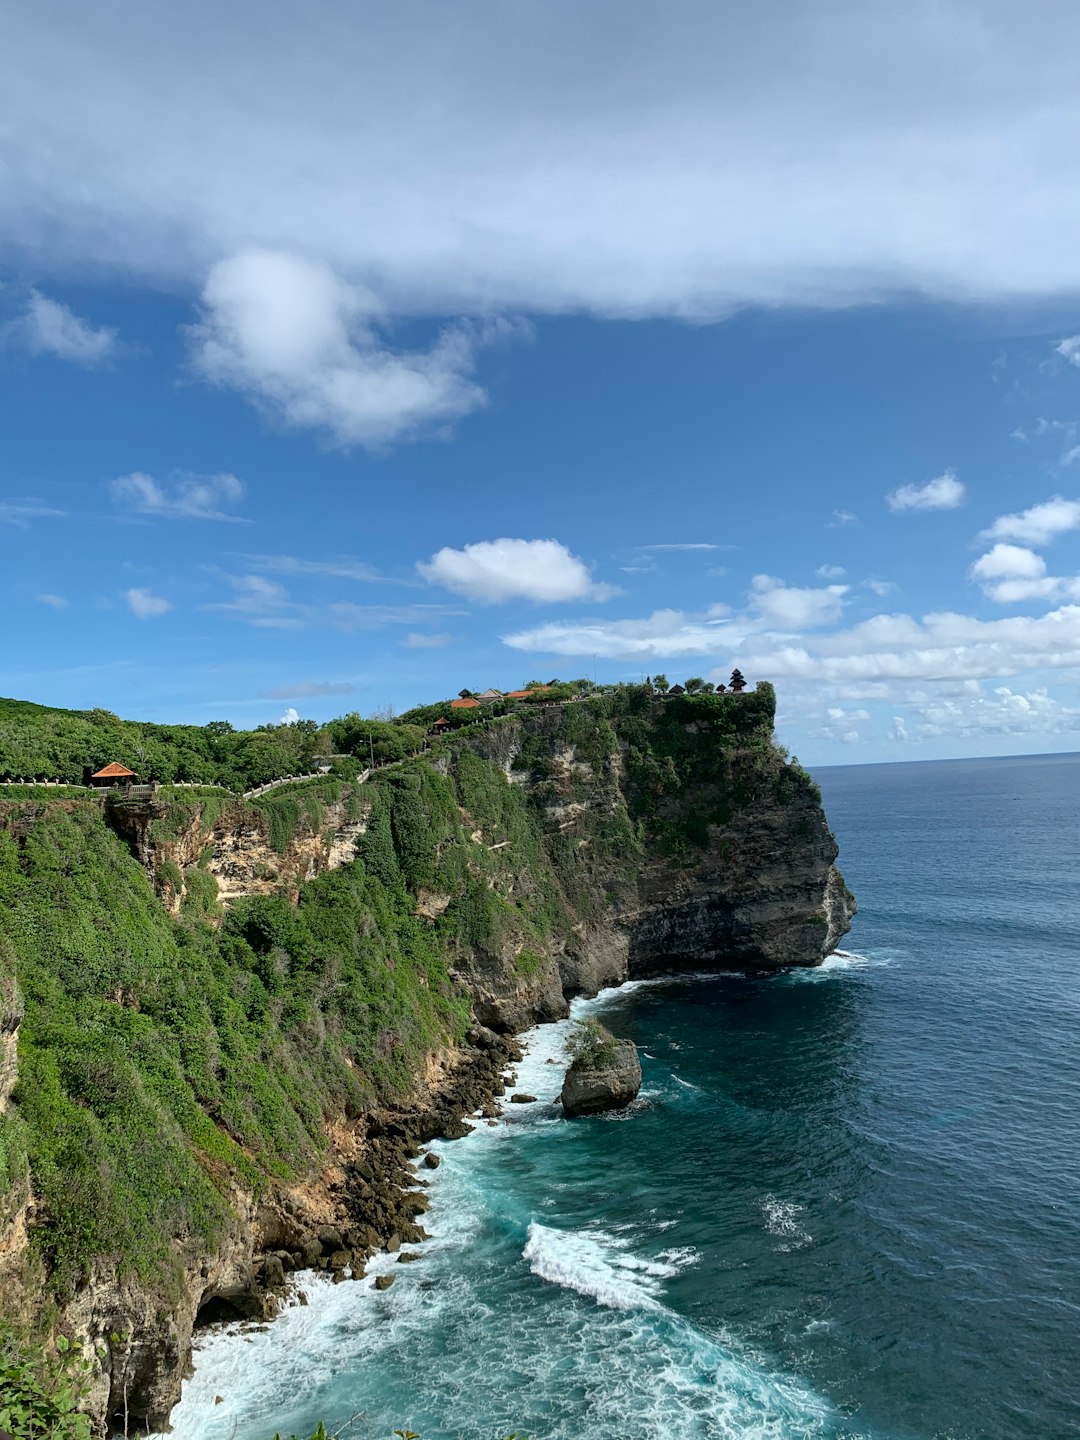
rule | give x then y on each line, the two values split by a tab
782	1220
647	1374
599	1265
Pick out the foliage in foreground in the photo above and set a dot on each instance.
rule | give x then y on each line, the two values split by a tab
39	1396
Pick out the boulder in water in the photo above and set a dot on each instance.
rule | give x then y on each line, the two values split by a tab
605	1073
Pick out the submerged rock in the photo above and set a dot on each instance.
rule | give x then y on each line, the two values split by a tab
605	1073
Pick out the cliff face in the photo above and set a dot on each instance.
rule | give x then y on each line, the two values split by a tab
239	846
248	1045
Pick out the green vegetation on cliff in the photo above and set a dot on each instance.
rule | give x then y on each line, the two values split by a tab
163	1060
158	1059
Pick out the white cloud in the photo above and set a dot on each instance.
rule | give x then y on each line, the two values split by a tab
182	497
302	343
1070	455
788	607
416	640
495	570
831	572
880	587
291	716
145	605
48	328
1001	712
898	730
1009	561
898	649
1070	349
308	689
666	634
474	162
843	518
1037	526
55	602
1012	574
945	492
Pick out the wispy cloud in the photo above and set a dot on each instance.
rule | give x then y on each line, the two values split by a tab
268	605
1069	349
691	545
54	602
308	689
417	640
145	605
21	512
831	572
344	567
945	492
182	497
841	519
47	327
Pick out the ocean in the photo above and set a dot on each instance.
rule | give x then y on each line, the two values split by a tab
845	1204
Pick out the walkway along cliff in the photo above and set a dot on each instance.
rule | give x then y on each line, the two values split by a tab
225	1027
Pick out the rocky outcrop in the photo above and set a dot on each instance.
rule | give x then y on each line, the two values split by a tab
233	844
607	1077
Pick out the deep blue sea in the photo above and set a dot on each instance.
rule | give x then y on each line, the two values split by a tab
847	1202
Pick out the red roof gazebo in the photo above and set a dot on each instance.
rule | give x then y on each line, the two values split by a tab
112	774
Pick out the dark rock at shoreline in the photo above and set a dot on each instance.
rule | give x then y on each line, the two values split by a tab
383	1282
408	1256
432	1161
522	1099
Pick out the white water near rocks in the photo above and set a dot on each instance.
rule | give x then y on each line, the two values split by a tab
513	1318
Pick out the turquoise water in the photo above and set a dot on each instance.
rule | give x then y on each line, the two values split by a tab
844	1205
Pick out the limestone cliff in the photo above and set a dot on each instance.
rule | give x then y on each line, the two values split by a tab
246	849
295	1017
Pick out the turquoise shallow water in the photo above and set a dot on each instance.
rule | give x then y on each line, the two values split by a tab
844	1205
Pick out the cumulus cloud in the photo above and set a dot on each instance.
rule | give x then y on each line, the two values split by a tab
303	344
182	497
291	716
308	689
1070	349
1012	561
945	492
47	327
1037	526
831	572
1011	574
492	571
898	649
789	607
470	160
145	605
1002	711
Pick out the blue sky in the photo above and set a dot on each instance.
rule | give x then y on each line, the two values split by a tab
342	368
